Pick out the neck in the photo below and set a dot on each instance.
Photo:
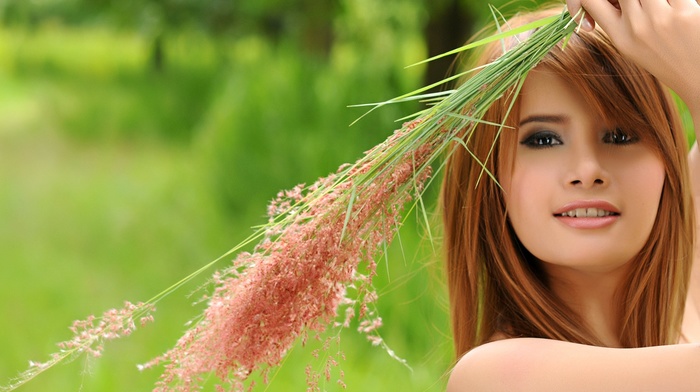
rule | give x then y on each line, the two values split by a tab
592	296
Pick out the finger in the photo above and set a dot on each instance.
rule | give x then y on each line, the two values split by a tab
683	3
573	6
585	21
655	7
588	23
628	4
605	13
633	12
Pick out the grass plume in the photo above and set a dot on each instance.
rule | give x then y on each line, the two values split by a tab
314	261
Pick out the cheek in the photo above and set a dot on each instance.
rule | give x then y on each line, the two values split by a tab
646	181
529	181
654	175
527	196
643	172
526	193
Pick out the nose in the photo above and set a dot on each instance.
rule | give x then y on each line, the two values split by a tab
586	170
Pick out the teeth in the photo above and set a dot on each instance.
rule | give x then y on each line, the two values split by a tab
586	213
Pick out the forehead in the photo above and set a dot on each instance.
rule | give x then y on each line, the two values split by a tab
547	94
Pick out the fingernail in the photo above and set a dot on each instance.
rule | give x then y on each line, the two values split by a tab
586	25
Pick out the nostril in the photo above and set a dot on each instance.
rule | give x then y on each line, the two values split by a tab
597	181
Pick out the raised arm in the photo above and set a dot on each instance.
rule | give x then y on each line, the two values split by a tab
541	365
662	36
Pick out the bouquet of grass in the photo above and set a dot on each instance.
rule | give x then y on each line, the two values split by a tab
313	262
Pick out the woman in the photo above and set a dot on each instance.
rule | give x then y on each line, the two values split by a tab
585	245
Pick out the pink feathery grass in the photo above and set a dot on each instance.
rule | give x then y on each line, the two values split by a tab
298	277
89	336
314	266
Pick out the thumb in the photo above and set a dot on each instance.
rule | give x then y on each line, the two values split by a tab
584	20
605	12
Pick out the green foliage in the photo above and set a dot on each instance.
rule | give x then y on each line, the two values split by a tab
118	181
506	7
294	109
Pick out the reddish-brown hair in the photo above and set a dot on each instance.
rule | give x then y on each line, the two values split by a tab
495	286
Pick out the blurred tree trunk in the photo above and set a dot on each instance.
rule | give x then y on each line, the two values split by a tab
158	54
449	26
317	27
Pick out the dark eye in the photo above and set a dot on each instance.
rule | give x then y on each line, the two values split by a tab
542	139
618	136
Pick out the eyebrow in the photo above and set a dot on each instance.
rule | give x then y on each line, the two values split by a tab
557	119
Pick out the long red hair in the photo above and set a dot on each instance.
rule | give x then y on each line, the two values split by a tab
495	286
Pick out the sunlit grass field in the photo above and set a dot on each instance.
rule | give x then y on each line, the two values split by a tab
116	181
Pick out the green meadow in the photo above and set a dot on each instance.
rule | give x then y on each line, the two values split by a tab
117	180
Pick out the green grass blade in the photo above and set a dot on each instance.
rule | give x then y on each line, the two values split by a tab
495	37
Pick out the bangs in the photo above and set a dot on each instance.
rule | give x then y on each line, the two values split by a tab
617	90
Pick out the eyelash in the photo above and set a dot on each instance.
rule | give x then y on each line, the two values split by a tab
618	136
542	139
548	139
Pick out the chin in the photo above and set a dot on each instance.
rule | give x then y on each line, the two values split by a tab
594	263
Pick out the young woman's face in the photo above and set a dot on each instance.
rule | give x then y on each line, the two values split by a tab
581	194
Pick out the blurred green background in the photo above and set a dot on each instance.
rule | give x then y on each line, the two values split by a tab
141	139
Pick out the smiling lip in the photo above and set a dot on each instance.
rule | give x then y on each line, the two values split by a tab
610	214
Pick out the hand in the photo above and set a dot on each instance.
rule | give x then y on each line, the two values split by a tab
587	23
661	36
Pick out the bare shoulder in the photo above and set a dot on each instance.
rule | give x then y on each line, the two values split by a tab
500	365
528	364
484	367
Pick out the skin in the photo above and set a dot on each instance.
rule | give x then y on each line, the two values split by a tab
568	159
662	36
526	364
